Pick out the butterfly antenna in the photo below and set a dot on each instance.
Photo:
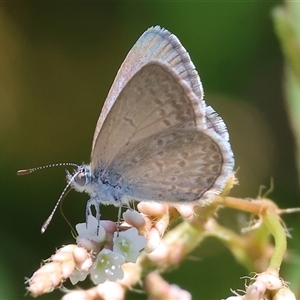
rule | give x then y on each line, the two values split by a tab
47	222
28	171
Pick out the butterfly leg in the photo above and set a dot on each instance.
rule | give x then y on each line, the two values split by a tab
93	202
119	219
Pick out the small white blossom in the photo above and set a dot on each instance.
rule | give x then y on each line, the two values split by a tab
92	230
129	243
107	266
78	275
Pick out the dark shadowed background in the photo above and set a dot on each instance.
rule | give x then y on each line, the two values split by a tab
57	63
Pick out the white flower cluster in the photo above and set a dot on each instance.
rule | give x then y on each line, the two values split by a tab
108	253
117	248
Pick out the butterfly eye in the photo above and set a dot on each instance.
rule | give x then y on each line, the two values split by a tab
81	179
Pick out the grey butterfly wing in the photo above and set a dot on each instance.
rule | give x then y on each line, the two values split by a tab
179	164
156	44
153	106
151	101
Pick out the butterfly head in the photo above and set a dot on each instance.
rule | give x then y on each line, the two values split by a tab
81	179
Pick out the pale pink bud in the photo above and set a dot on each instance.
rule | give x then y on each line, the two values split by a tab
271	281
153	208
82	295
255	291
185	210
284	294
160	253
109	226
134	218
88	244
67	268
111	290
80	255
158	288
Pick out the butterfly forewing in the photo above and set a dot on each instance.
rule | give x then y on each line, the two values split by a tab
156	44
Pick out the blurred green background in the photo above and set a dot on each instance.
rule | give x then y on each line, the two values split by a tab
57	63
